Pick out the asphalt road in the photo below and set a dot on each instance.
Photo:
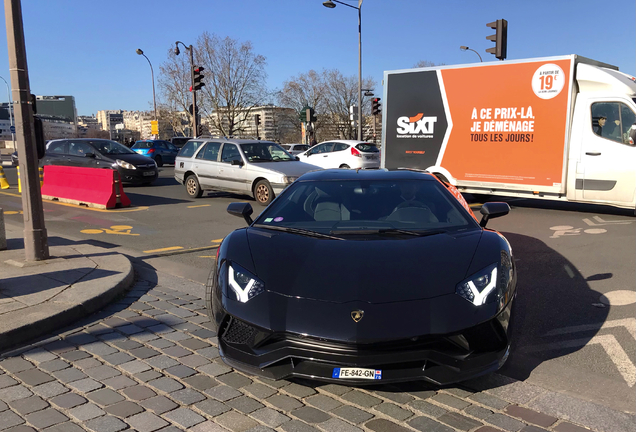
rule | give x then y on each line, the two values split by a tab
567	336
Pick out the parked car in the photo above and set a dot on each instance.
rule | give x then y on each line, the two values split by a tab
429	297
343	154
258	168
295	149
102	153
160	151
180	141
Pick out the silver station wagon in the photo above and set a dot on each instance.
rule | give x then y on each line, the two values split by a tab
249	167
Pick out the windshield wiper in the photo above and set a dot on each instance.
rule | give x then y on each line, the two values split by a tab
417	233
298	231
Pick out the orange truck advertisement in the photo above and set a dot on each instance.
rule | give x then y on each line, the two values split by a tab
502	123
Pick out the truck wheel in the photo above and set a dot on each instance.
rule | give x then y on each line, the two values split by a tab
192	186
263	193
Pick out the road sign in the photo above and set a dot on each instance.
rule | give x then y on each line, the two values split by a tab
154	127
12	129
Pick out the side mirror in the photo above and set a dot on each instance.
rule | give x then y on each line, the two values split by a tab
493	210
236	162
240	209
89	155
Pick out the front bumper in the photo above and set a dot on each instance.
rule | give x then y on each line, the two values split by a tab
137	176
439	359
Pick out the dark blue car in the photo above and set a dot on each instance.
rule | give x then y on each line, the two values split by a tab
161	151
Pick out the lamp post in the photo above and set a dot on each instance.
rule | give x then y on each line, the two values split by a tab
330	4
195	128
10	113
464	48
152	74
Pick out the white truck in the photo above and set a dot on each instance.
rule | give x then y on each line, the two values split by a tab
558	128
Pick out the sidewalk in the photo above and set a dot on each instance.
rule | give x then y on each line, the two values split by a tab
38	297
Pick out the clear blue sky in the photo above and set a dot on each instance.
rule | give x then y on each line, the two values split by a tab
87	48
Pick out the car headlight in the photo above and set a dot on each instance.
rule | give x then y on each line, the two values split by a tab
125	164
476	288
243	284
289	179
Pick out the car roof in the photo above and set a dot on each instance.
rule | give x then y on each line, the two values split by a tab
234	140
350	142
366	174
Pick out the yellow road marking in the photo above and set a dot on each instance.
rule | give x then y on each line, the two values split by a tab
204	205
475	205
124	210
217	241
164	249
115	229
12	212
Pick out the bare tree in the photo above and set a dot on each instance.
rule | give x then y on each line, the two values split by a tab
174	84
303	90
235	82
340	93
426	63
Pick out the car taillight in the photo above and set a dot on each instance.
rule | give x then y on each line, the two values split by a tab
151	150
355	152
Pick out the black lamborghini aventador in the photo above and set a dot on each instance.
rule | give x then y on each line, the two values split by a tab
364	277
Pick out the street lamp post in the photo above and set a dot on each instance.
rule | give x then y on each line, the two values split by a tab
330	4
10	113
464	48
152	74
195	127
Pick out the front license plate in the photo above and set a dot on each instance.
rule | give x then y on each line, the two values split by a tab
148	173
357	373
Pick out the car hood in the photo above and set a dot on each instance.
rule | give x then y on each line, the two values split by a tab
373	270
290	168
133	158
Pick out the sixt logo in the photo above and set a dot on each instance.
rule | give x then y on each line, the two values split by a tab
416	125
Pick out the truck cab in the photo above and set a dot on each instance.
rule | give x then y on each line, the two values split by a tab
602	146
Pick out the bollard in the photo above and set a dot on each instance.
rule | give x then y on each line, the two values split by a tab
4	184
41	171
3	233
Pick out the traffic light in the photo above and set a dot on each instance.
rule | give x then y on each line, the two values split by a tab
310	115
257	119
198	77
500	38
376	108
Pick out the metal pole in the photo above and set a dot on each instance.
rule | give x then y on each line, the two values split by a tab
195	122
360	70
10	113
36	246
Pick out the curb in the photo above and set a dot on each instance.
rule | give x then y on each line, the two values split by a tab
51	315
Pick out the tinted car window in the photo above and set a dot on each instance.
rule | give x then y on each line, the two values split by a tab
142	145
230	153
329	206
340	147
79	148
366	147
301	147
189	149
211	151
57	147
106	147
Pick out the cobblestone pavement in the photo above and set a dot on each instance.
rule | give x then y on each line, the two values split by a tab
149	363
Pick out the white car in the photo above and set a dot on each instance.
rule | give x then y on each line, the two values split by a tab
343	154
249	167
295	149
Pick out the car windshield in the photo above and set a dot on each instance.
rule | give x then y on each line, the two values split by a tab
302	147
143	145
106	147
265	152
350	207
